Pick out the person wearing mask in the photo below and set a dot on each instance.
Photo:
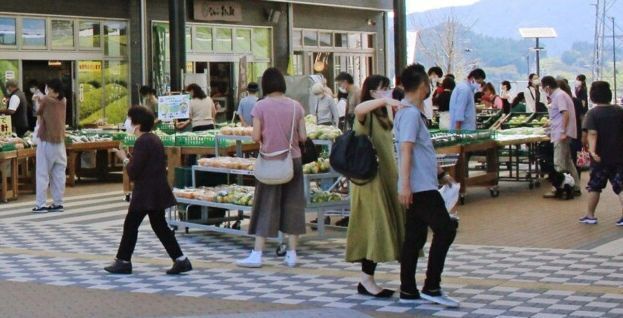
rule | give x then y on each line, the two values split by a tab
342	106
418	182
17	108
604	123
581	91
462	104
490	98
575	144
246	105
51	154
323	107
149	98
202	110
278	207
37	94
536	98
506	96
151	195
376	225
519	104
562	130
346	85
443	102
435	75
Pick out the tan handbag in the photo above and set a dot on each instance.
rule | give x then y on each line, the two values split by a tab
272	171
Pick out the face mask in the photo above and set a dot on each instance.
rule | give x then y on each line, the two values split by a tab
33	90
434	79
475	86
378	94
46	90
129	128
536	82
342	90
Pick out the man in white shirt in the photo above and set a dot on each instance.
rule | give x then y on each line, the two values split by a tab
435	75
534	93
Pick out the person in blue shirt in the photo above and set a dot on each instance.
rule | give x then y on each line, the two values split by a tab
462	105
246	105
418	182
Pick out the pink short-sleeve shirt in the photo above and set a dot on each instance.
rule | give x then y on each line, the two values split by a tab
275	115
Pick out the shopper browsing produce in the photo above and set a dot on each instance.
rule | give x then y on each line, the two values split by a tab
246	105
322	105
202	110
462	104
419	177
151	195
278	207
376	224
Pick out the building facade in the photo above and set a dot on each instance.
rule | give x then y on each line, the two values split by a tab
105	52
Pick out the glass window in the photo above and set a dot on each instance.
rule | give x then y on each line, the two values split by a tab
370	41
297	38
115	38
7	31
325	39
341	40
310	38
89	35
242	42
203	39
9	69
62	34
222	41
262	42
33	32
188	39
116	91
354	40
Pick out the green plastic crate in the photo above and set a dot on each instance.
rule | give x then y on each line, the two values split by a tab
8	147
194	141
166	127
167	141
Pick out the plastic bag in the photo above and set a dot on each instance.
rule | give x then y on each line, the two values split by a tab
450	194
584	159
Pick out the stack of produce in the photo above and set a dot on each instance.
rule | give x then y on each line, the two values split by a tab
320	166
444	138
487	118
10	143
236	131
319	196
543	121
518	120
229	194
79	137
228	163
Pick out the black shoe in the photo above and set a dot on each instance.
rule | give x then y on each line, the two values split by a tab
577	193
409	297
119	267
56	208
385	293
343	222
327	221
180	267
43	209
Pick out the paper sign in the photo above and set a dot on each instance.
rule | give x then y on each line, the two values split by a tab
217	11
173	107
6	128
9	75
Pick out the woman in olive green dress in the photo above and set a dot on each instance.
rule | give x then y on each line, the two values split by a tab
376	227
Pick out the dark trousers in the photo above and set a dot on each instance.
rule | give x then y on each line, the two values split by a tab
368	267
130	233
428	210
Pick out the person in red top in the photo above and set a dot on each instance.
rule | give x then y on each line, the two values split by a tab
490	98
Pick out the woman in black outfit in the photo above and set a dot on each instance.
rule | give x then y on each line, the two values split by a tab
151	195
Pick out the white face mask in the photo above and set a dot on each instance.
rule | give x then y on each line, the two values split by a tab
536	82
342	90
33	90
382	94
46	90
129	128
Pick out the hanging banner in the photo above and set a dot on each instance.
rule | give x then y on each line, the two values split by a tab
173	107
217	11
6	128
243	70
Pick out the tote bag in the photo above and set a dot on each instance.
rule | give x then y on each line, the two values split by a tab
273	171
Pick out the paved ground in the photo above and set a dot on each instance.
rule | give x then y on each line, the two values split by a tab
515	256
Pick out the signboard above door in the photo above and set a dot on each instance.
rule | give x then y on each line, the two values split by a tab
228	11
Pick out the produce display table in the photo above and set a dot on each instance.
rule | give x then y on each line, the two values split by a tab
74	150
8	171
520	164
461	171
26	169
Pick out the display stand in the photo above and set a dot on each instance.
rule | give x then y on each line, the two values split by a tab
26	164
518	160
74	150
177	222
8	171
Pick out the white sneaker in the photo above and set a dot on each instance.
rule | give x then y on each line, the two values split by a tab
440	298
290	259
253	261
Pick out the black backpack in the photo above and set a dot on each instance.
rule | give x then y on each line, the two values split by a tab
354	157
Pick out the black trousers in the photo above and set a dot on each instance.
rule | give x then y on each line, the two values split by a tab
427	210
158	223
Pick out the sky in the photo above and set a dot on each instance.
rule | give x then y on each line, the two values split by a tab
425	5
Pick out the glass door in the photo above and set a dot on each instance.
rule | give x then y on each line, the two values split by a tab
9	69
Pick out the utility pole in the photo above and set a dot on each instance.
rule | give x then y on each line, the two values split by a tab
596	42
400	35
177	42
614	61
603	38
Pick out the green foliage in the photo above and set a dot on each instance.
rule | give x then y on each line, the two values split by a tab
115	112
93	97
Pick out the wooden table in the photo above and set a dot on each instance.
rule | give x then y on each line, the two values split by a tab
9	190
26	164
74	150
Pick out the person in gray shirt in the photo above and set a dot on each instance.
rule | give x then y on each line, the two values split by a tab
246	105
418	182
323	106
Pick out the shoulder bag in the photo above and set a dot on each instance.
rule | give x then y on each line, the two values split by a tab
354	156
273	171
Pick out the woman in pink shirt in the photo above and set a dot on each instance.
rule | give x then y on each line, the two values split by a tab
277	207
490	98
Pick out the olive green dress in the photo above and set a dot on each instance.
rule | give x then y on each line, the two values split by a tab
377	219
